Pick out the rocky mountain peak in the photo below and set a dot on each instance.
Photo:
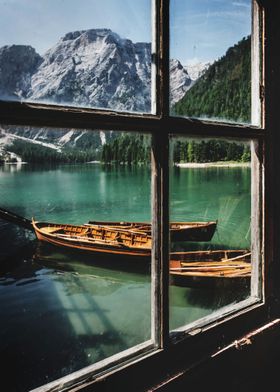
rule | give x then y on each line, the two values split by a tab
180	81
95	68
92	68
197	69
17	65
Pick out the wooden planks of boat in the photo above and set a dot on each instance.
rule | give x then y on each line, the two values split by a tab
210	267
97	239
186	268
179	231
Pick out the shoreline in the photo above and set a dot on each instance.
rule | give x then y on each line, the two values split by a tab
212	164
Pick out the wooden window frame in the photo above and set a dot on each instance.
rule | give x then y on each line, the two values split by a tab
131	369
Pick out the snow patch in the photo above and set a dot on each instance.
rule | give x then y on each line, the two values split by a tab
7	138
102	137
196	69
66	138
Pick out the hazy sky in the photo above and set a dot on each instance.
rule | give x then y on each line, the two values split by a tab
200	29
205	29
40	23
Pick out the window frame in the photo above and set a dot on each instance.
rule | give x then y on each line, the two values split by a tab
168	353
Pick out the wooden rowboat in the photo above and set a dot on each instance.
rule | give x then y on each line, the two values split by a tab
97	239
218	266
186	268
125	239
179	231
122	242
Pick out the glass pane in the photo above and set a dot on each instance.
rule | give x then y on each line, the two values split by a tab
211	47
210	211
94	54
79	291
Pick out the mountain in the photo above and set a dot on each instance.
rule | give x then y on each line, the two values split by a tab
95	68
89	68
47	144
180	81
18	63
224	90
98	68
197	69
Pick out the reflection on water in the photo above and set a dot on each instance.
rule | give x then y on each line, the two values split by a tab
190	304
215	193
62	310
77	193
62	314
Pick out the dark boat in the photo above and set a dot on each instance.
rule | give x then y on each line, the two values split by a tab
179	231
126	239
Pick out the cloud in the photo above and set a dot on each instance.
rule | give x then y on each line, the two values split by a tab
225	14
244	5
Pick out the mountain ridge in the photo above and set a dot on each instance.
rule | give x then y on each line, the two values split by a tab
97	68
223	92
89	68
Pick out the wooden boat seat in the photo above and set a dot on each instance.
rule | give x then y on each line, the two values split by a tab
54	230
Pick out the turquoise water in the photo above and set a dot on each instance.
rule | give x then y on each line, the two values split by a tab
215	193
61	311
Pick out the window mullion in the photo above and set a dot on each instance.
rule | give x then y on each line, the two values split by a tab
164	58
160	253
160	175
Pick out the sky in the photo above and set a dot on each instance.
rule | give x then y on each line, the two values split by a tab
201	30
40	23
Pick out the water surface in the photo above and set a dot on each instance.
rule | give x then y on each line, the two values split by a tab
63	310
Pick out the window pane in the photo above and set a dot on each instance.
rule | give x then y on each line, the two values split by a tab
66	304
211	47
93	54
210	213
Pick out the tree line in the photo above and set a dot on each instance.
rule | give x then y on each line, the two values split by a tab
135	149
35	153
224	91
127	149
210	151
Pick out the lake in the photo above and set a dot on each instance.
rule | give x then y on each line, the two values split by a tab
62	310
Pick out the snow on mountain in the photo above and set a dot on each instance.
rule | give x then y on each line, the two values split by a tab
197	69
95	68
180	81
90	68
52	138
6	138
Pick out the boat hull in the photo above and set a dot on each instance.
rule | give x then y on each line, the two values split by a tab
179	231
55	235
219	268
186	268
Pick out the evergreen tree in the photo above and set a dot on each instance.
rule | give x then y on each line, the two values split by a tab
224	91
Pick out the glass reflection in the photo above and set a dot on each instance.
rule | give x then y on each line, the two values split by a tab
86	305
210	198
97	55
211	44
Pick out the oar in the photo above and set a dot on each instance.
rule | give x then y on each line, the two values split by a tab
17	219
237	257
